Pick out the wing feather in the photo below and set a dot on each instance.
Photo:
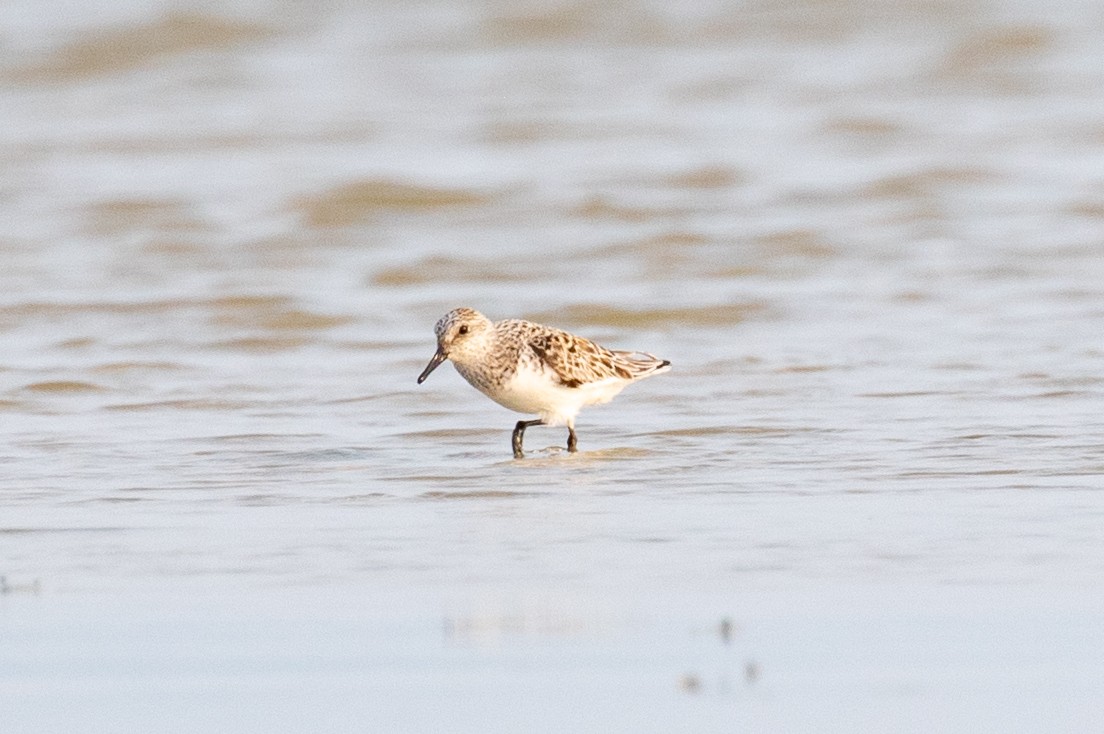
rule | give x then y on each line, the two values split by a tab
576	361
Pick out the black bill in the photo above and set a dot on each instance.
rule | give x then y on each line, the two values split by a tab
434	363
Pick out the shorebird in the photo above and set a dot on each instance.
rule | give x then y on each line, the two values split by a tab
535	369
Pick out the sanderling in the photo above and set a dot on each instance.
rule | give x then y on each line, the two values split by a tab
532	368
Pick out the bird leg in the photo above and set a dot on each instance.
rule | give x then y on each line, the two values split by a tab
519	432
572	442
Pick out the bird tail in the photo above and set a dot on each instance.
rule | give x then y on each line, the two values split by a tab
641	364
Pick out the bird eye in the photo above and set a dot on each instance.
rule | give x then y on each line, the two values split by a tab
462	330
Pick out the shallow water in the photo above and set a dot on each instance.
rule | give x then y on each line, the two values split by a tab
867	496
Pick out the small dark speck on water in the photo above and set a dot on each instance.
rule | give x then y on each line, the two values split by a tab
724	629
690	683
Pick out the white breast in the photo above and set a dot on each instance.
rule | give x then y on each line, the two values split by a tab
535	392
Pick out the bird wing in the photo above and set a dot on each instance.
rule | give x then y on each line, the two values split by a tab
576	361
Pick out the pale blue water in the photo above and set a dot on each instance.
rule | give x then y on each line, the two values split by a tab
869	241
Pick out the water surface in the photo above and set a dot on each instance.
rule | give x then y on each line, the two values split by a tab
867	497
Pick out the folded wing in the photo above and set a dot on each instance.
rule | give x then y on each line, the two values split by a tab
576	361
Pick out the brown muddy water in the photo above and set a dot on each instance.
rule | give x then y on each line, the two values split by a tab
870	238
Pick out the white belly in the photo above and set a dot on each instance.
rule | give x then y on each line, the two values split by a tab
532	392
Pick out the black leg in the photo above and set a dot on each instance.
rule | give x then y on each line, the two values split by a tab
519	433
572	442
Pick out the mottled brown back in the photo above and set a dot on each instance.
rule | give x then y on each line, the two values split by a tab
577	361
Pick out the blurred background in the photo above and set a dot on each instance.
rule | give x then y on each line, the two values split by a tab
869	236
